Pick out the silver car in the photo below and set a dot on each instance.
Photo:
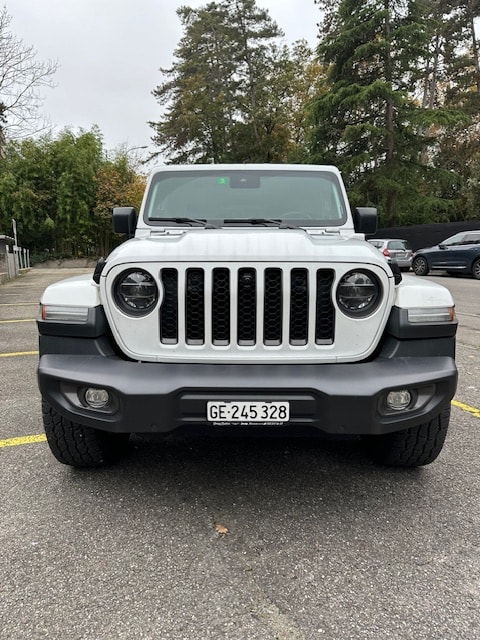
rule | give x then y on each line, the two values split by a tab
395	250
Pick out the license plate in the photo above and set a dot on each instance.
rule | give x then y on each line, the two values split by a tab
271	413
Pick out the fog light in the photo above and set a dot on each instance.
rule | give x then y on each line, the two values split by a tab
399	400
97	398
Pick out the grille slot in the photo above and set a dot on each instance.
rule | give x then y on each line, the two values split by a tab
299	295
195	306
169	308
247	307
221	306
324	311
273	307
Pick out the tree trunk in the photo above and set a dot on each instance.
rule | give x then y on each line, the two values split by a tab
389	121
475	51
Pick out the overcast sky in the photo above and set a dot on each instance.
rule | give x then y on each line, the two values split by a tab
110	52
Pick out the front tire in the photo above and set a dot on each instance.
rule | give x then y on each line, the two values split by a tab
413	447
80	446
420	266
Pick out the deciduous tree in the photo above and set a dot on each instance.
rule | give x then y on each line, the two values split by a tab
118	183
22	77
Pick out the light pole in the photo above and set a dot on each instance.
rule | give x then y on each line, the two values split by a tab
16	249
134	148
137	161
14	226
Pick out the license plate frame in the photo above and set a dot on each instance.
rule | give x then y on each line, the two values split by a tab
248	412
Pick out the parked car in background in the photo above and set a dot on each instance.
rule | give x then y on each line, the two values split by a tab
458	254
395	250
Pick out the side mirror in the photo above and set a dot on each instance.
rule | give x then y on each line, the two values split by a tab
124	220
365	220
397	274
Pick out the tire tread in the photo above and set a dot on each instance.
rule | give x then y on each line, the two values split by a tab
413	447
78	445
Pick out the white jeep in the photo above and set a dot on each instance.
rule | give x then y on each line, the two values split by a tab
246	300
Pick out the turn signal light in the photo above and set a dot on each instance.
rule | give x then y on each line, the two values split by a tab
63	313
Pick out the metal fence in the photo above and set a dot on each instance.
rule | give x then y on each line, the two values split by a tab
15	260
426	235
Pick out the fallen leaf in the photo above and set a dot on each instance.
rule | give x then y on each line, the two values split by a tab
219	528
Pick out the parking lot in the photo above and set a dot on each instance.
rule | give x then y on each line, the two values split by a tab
235	539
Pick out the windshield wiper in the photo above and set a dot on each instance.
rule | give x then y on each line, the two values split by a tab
191	221
266	222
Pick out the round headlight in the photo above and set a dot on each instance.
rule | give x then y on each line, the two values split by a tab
135	292
359	293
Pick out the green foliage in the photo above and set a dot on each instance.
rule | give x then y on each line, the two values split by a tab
116	183
47	256
386	113
392	98
55	190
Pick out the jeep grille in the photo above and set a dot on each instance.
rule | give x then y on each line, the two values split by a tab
247	306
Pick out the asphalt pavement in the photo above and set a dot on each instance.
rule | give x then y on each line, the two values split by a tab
234	539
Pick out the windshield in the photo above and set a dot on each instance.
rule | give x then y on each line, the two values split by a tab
299	198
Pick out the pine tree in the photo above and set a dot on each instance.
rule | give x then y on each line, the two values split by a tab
368	117
229	93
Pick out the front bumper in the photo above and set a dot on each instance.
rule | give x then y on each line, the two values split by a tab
331	398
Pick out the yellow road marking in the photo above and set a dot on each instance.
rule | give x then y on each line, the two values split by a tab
18	353
10	321
467	408
41	437
14	442
18	304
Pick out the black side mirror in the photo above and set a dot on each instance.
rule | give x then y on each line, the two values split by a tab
397	274
124	220
365	220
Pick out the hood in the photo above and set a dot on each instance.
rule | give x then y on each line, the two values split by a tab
246	245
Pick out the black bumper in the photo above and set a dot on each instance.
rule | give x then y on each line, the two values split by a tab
331	398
